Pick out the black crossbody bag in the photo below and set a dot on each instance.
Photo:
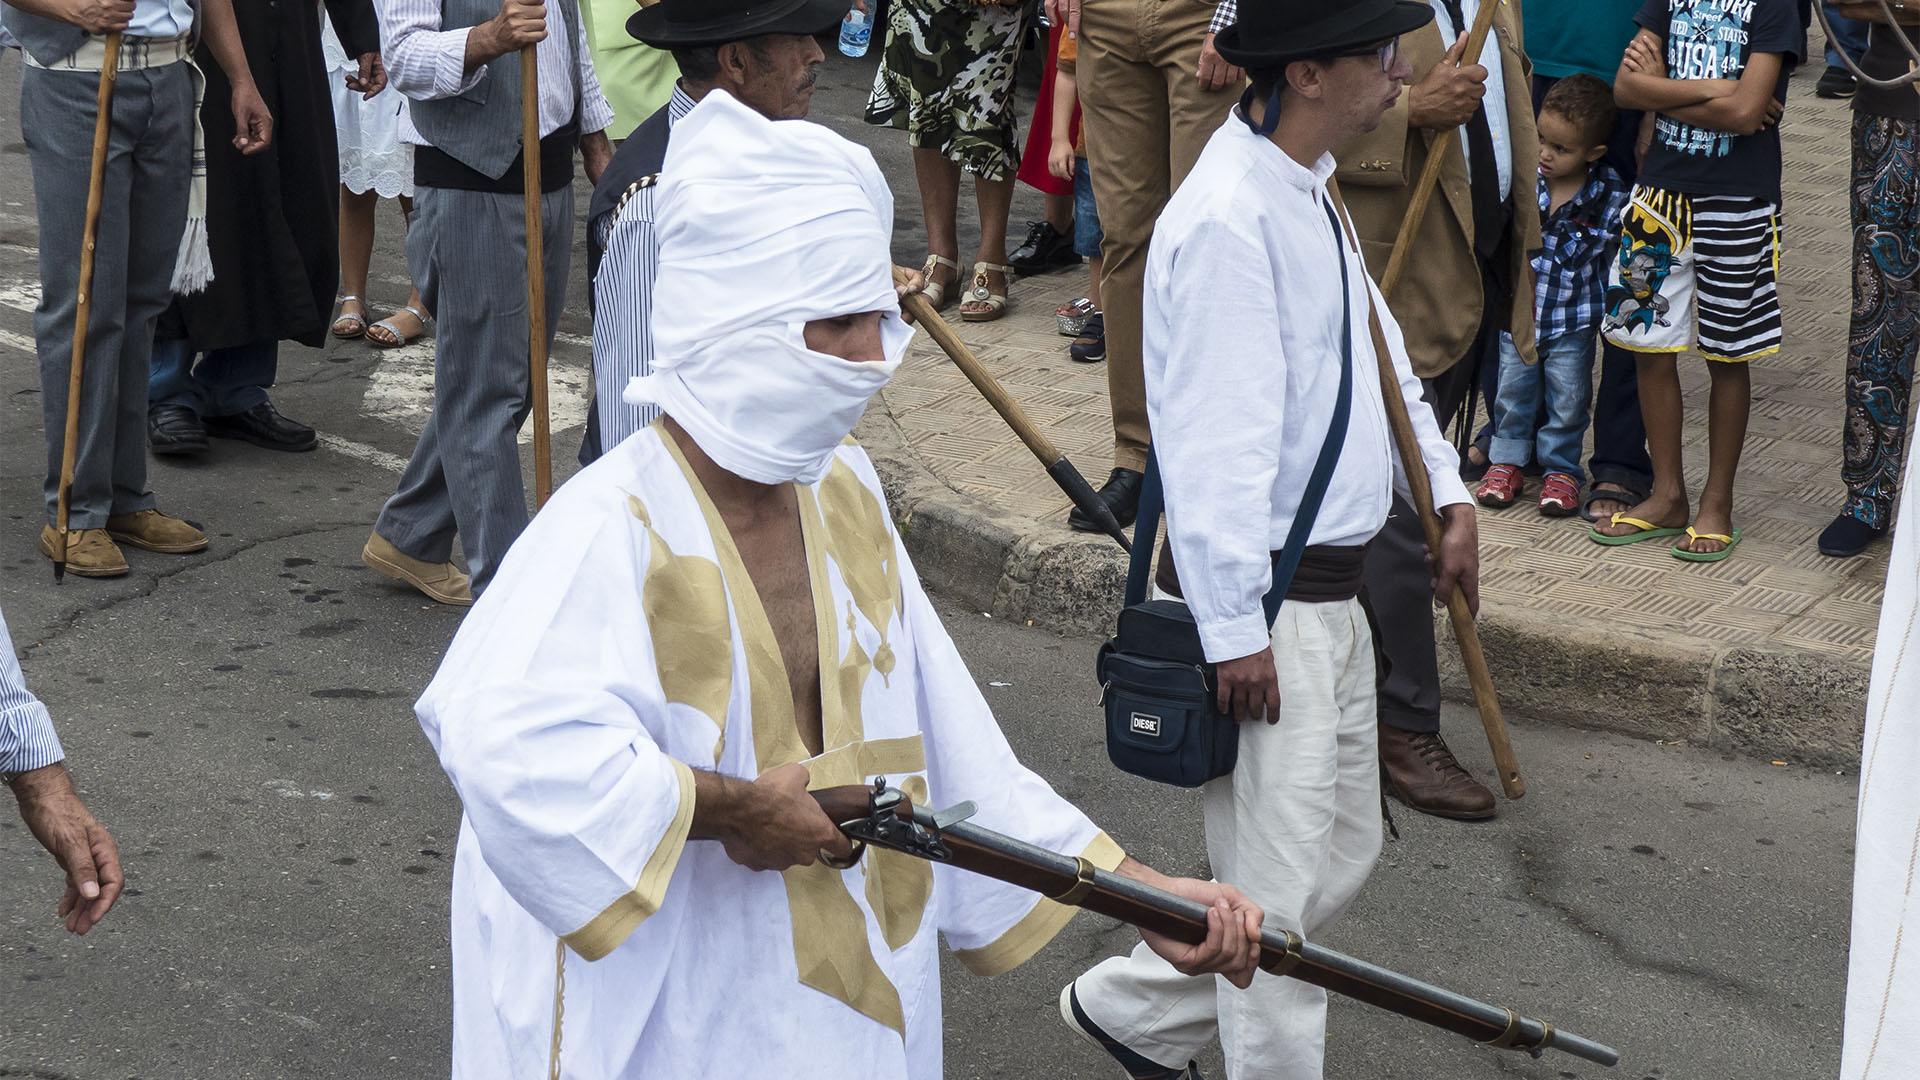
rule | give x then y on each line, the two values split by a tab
1157	688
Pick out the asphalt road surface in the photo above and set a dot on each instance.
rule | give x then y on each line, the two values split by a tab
241	720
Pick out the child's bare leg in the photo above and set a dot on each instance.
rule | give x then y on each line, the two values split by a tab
1096	267
1059	210
1661	408
1728	405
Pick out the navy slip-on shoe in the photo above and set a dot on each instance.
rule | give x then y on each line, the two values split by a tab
1138	1067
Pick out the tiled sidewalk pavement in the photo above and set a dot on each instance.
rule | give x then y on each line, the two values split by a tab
1776	598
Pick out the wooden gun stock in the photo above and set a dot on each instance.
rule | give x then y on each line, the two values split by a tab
1077	882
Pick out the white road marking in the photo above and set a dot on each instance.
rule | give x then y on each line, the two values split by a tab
20	294
362	452
20	342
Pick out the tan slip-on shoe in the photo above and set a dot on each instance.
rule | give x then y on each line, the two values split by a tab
90	552
442	582
152	530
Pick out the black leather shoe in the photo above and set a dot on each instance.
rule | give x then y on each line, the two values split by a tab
175	430
1121	493
1045	250
262	426
1835	82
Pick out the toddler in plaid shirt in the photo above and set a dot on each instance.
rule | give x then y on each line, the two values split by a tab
1541	411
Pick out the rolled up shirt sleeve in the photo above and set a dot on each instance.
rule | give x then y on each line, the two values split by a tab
1224	16
27	739
596	113
423	61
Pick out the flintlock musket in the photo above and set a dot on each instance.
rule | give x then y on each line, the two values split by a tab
884	817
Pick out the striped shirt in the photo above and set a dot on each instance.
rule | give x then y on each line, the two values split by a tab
623	304
27	740
427	63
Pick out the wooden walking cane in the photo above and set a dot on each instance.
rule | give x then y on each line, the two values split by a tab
76	368
1057	465
1414	465
536	275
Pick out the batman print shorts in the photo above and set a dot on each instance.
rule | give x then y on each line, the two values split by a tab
1696	271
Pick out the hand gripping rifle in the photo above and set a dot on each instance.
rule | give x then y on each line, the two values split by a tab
883	817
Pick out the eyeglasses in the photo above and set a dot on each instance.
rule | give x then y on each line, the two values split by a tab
1388	54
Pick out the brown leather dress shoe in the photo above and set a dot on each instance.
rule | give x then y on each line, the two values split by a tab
441	582
90	552
155	531
1419	770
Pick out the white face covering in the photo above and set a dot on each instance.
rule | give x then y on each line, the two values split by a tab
767	226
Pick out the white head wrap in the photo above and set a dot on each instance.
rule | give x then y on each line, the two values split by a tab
767	226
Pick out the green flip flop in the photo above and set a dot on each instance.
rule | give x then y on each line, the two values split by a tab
1707	556
1647	531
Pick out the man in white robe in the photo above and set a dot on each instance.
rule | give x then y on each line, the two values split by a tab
711	620
1883	977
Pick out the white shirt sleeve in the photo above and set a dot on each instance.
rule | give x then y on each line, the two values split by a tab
622	320
1216	401
423	61
1443	462
27	740
595	112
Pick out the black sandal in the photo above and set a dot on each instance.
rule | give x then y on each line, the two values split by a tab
1616	492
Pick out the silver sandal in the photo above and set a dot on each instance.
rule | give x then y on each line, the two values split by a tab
360	321
399	338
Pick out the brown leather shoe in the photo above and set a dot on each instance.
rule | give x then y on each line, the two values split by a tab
90	552
442	582
152	530
1419	770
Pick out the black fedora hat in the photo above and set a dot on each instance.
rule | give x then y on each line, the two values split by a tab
1271	33
690	24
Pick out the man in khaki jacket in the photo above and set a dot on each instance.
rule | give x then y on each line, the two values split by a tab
1468	278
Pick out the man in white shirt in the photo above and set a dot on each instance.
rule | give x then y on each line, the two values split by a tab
1244	354
459	63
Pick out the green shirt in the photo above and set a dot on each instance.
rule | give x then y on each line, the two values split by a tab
636	79
1565	37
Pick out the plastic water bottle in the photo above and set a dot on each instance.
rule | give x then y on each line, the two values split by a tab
856	30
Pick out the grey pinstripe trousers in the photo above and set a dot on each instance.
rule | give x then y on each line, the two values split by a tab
467	251
142	212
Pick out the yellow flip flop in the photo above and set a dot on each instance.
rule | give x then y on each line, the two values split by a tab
1707	556
1647	531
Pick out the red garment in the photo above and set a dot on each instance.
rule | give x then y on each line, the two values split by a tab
1033	163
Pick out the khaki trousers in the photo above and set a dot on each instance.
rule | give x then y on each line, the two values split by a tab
1146	120
1296	827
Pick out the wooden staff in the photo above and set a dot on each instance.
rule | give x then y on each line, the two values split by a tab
76	368
1064	474
536	274
1415	466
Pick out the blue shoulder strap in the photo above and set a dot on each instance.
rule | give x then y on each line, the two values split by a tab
1152	495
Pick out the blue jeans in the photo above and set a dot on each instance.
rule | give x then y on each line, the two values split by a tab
1563	381
225	382
1848	34
1087	235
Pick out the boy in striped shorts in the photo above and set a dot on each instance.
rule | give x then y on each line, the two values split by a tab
1700	242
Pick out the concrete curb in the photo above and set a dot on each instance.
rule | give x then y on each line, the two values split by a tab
1777	704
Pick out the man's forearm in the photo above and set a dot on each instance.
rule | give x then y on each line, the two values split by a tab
483	47
223	41
722	805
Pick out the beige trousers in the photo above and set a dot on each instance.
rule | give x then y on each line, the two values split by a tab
1146	121
1296	827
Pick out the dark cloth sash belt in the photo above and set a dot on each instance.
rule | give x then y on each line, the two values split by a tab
1327	574
436	168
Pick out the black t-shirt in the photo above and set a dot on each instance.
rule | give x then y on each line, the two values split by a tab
1886	59
1713	39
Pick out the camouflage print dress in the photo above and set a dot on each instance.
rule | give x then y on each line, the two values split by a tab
946	78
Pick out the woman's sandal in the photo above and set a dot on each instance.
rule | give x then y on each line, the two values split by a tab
982	293
935	291
1073	317
395	337
356	325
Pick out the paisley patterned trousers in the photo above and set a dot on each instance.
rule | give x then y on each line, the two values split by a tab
1886	312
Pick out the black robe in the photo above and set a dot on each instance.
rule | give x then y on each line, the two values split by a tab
273	217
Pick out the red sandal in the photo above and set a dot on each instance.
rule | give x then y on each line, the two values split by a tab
1501	486
1559	495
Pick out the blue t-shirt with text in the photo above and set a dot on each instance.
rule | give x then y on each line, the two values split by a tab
1714	39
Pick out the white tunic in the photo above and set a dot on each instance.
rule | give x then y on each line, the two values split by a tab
1242	356
623	645
1883	976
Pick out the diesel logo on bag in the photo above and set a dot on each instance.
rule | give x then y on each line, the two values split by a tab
1146	725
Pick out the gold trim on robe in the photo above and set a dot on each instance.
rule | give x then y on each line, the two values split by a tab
1041	925
605	931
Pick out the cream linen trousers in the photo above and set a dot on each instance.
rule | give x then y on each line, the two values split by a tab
1296	827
